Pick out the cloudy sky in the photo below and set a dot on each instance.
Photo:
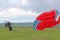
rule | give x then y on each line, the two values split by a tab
25	10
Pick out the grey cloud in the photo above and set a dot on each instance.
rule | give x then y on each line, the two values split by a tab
35	5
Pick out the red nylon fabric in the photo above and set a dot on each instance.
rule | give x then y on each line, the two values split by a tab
47	20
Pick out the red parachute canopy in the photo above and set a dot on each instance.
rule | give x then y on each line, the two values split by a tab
47	20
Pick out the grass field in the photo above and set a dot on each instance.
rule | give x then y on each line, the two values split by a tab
29	34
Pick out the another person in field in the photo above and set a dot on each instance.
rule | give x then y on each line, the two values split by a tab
8	24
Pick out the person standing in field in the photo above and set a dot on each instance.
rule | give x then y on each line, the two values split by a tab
8	24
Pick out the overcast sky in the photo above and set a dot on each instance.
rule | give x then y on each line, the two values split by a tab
25	10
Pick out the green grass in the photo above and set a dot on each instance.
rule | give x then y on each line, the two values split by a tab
29	34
